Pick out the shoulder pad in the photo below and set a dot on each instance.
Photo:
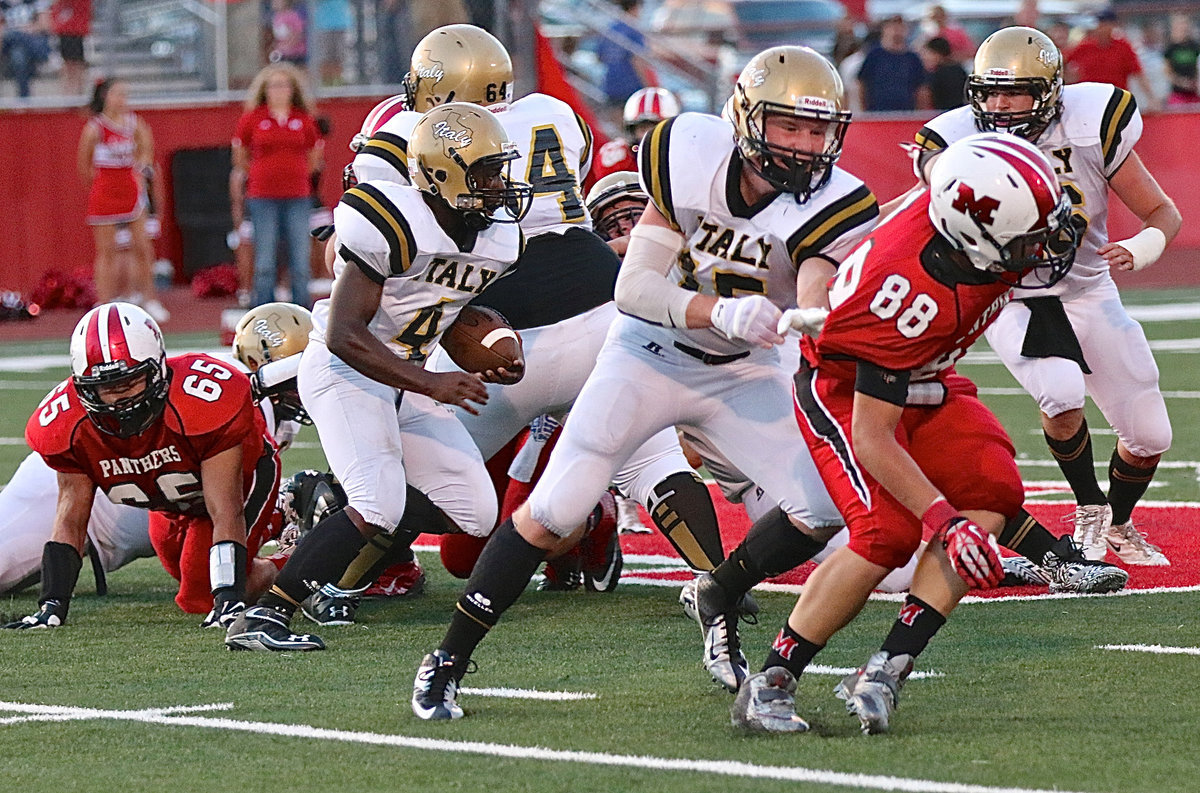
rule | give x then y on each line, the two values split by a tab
206	393
685	141
51	428
940	132
372	227
850	208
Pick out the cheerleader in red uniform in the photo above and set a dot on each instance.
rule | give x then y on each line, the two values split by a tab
115	147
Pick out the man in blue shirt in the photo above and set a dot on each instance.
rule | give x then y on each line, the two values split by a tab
891	74
624	72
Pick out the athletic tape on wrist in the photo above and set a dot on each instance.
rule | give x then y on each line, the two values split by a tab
1145	247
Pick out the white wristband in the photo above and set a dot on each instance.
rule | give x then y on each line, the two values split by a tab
1145	247
222	565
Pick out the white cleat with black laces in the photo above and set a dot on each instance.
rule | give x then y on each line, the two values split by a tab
435	688
1132	546
1070	570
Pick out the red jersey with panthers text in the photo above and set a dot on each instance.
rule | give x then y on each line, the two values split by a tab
209	410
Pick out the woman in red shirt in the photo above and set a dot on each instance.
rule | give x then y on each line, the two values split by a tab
115	149
276	149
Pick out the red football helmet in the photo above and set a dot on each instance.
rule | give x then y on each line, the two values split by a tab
379	115
996	199
649	106
112	347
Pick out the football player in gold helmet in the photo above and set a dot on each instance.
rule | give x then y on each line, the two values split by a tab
268	340
458	63
615	204
1016	83
789	113
460	154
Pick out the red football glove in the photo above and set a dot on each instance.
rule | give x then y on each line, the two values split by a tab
973	552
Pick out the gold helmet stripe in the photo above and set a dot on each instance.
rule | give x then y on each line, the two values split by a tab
926	138
390	148
853	210
1117	115
656	169
586	156
372	204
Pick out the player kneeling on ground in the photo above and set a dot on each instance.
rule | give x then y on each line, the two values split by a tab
178	436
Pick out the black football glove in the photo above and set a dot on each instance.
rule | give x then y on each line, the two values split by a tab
51	614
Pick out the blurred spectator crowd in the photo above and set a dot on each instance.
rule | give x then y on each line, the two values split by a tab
915	61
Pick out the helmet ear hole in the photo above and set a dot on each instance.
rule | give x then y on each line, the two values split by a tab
441	175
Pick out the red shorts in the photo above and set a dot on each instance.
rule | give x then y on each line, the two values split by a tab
959	445
182	544
116	197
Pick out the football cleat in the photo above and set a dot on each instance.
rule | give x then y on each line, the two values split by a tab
601	548
563	573
1091	525
629	521
403	579
871	693
1132	546
1070	571
1019	571
50	614
718	622
265	629
687	599
435	688
330	605
766	702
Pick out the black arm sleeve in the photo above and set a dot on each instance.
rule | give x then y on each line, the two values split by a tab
886	384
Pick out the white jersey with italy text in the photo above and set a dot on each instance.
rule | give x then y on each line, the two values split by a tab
391	235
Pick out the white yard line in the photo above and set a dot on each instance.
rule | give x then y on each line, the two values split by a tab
1015	391
988	357
717	767
528	693
1156	649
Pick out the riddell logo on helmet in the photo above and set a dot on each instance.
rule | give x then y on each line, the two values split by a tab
982	208
998	72
814	103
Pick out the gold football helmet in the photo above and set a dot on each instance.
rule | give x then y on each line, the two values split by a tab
796	82
1017	59
460	153
458	63
265	336
615	203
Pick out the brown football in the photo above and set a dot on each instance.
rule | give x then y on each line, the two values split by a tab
480	339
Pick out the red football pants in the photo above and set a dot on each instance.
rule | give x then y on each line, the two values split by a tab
959	445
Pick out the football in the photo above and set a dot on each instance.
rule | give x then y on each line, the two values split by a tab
480	339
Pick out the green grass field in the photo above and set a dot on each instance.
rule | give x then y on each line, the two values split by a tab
1025	700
